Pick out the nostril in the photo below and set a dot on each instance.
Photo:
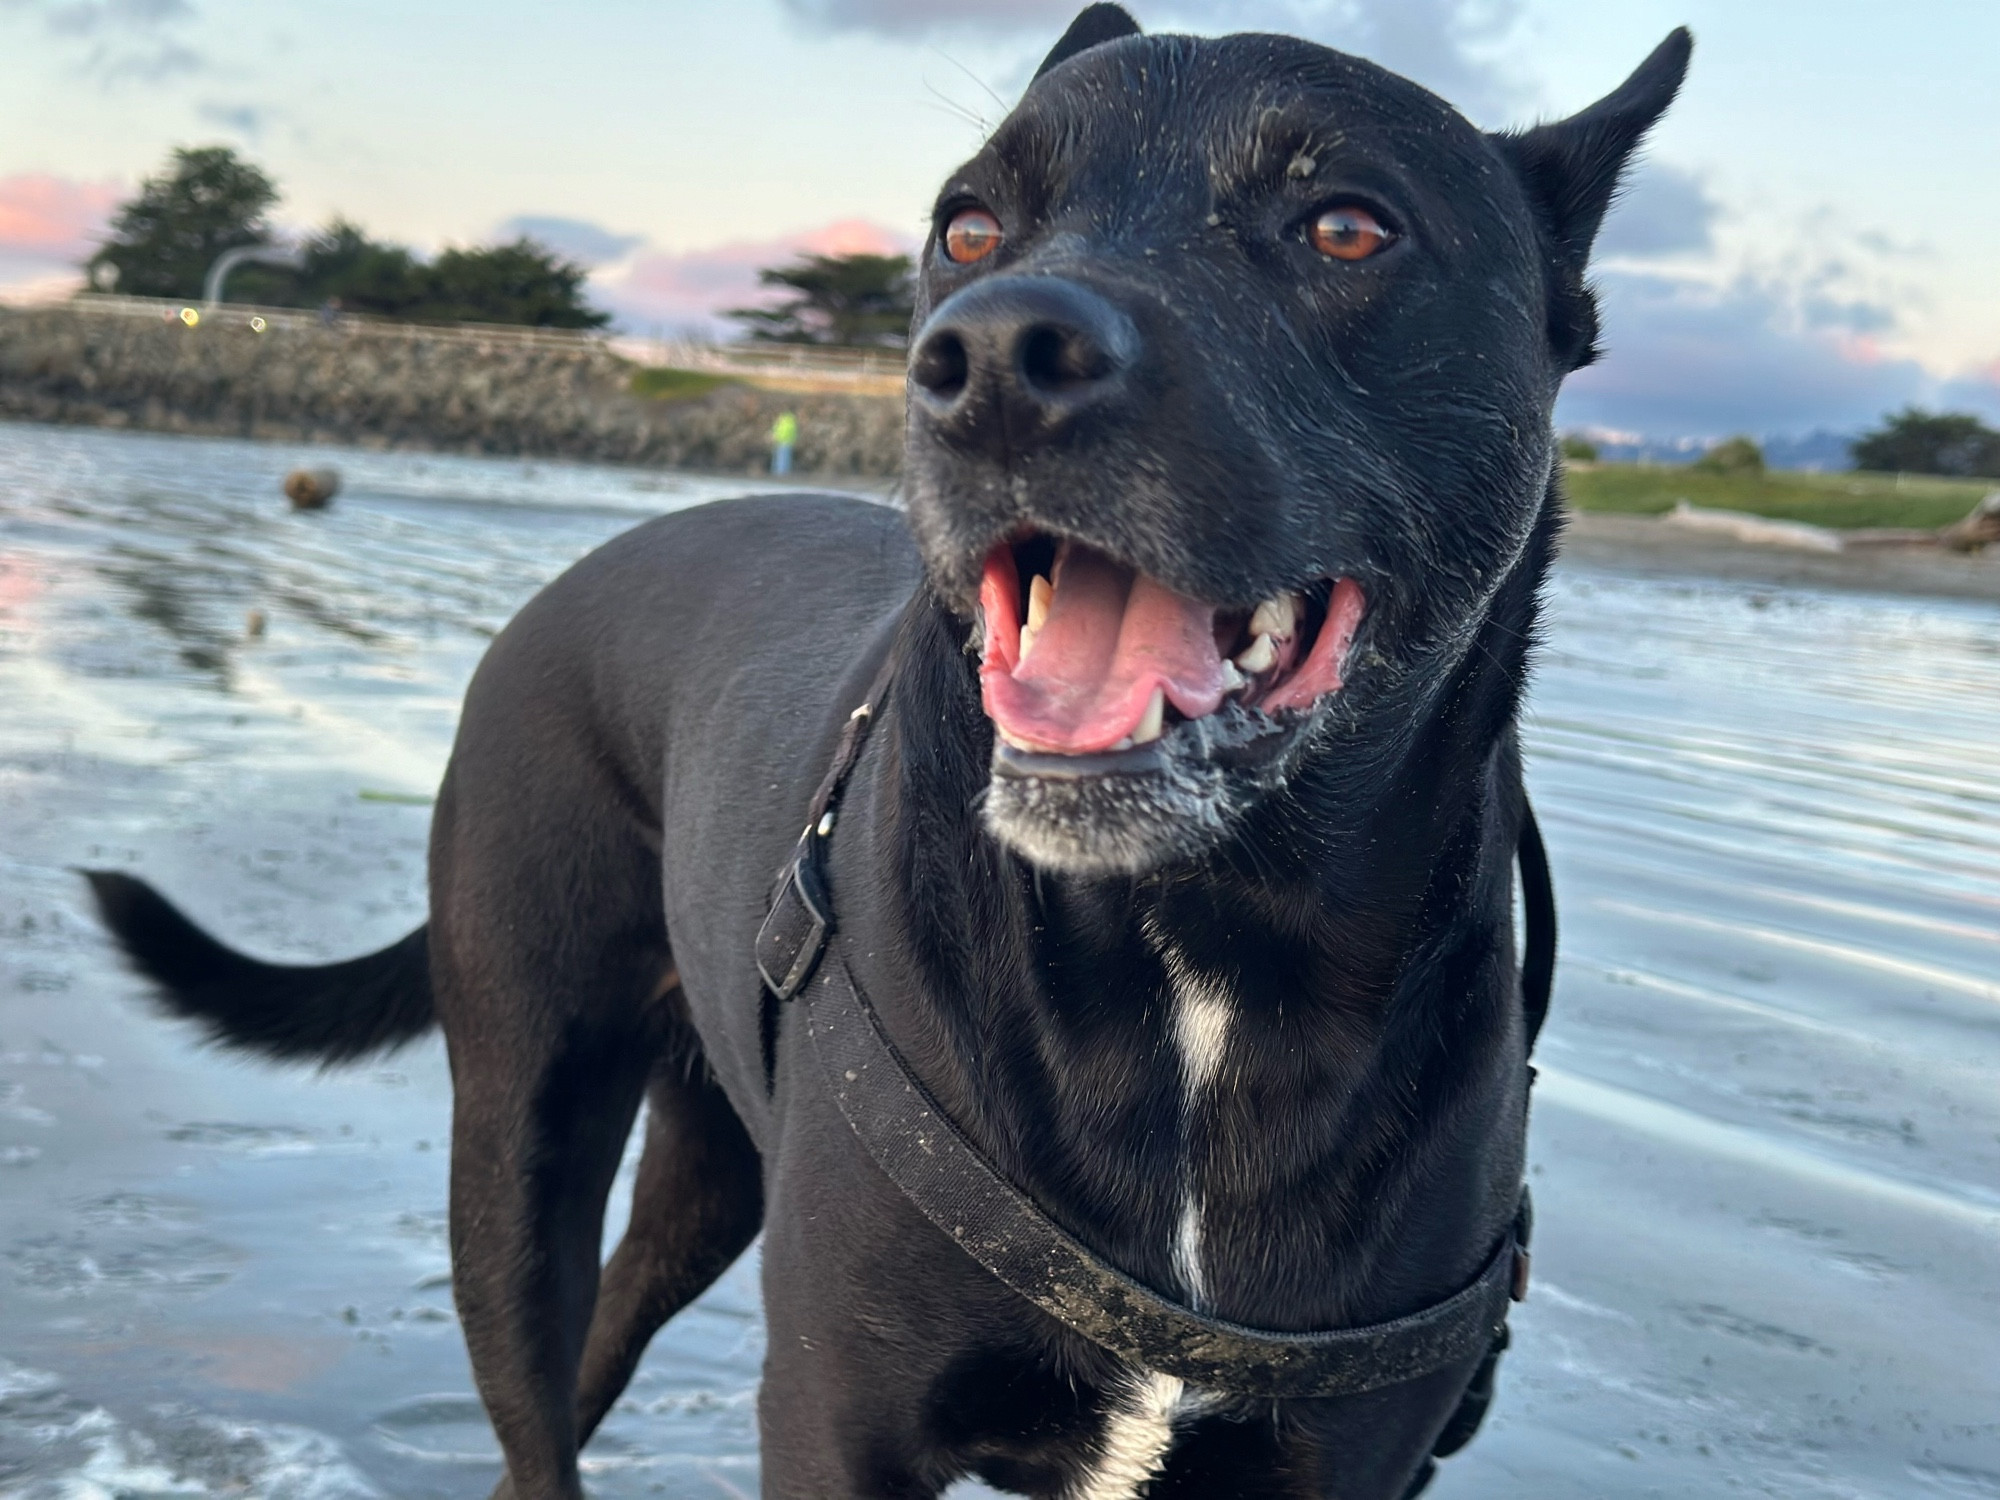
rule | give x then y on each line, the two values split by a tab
1055	359
940	365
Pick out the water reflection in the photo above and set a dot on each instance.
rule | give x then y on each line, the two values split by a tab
1766	1147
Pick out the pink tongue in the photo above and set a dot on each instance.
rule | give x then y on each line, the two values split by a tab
1112	636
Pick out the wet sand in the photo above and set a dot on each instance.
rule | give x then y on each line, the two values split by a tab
1767	1138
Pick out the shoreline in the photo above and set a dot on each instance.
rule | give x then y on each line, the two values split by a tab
1649	547
1641	545
500	392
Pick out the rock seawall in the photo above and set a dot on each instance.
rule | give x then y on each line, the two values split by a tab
390	386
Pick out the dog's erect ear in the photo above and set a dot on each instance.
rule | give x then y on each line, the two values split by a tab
1571	170
1094	24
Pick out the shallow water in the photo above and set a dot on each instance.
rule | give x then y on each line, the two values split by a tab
1766	1143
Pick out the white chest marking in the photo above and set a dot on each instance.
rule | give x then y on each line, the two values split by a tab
1139	1432
1201	1016
1200	1013
1137	1437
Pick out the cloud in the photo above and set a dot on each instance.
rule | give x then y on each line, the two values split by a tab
1689	358
686	293
930	17
1664	210
249	121
52	218
120	40
577	239
1976	391
1446	45
48	227
106	18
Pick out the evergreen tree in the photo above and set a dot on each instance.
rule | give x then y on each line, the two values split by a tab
521	282
851	300
342	265
206	201
1921	442
209	200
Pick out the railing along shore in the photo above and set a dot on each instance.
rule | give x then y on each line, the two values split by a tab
861	367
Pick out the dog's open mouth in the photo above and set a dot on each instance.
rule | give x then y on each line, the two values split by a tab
1084	655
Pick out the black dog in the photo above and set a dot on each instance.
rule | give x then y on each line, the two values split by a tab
1177	865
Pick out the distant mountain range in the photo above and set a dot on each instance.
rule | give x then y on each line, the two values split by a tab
1816	450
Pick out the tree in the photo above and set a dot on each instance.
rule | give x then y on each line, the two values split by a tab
206	201
209	200
1920	442
344	266
852	300
521	282
517	283
1737	455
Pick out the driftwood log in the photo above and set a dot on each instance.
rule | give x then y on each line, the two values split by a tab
1978	530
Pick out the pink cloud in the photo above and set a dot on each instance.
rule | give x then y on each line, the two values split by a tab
690	290
53	218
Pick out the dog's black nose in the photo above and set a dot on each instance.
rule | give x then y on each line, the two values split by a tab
1012	360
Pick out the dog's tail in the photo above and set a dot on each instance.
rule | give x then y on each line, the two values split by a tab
329	1013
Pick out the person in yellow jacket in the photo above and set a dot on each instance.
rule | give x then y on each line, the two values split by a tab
784	434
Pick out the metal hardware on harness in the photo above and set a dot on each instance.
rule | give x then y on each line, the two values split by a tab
951	1182
795	929
800	919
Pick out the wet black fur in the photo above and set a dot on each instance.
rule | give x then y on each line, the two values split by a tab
643	739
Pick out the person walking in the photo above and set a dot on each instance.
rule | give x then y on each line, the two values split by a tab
784	433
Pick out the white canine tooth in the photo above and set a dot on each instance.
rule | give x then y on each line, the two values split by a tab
1009	739
1123	744
1277	616
1040	592
1231	678
1154	724
1259	656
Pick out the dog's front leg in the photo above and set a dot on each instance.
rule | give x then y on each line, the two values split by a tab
857	1326
696	1205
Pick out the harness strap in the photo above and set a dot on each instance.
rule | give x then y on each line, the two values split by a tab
800	917
952	1184
921	1150
1538	907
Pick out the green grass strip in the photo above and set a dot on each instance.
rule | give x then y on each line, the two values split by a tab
660	384
1838	500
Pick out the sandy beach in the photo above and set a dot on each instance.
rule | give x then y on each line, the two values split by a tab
1766	1148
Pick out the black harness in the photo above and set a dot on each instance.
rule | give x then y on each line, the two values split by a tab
952	1183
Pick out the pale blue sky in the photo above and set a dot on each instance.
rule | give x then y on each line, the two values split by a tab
1815	239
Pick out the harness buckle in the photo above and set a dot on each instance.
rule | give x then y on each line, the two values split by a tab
795	930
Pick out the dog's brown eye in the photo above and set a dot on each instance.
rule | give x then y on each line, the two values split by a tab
1349	233
971	234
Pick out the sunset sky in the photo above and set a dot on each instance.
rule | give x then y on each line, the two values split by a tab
1816	237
